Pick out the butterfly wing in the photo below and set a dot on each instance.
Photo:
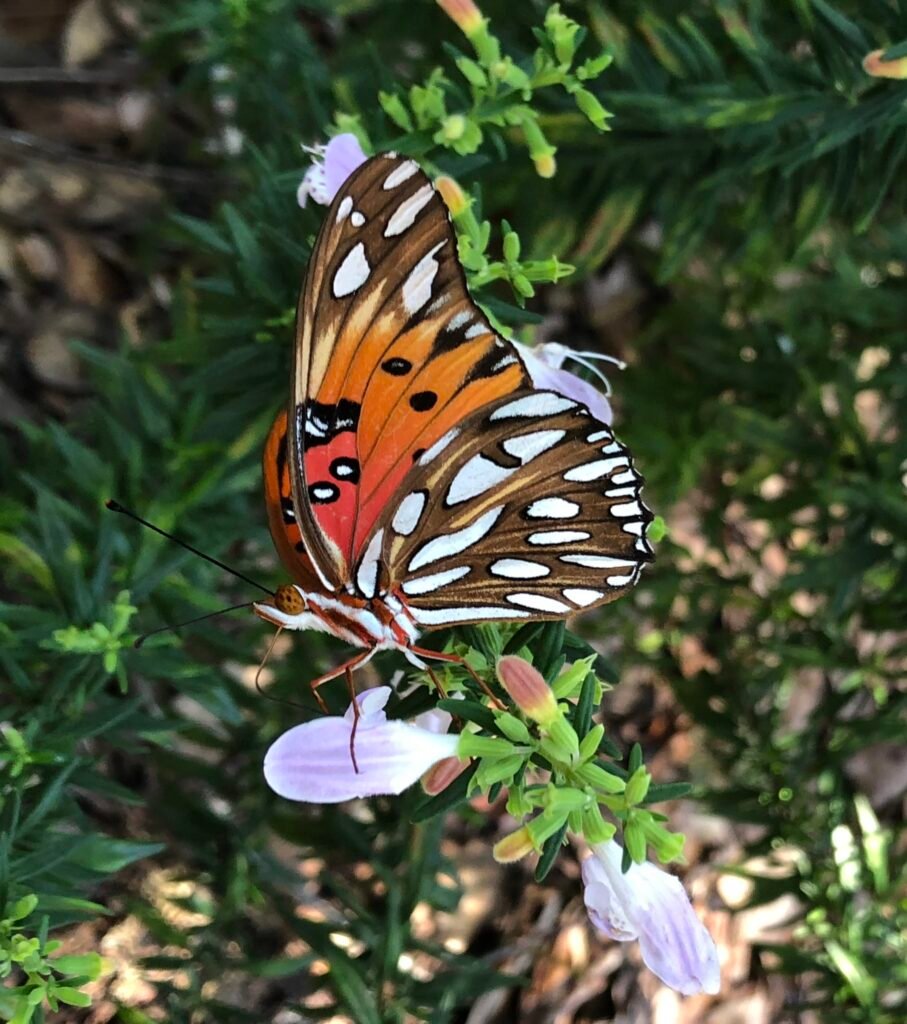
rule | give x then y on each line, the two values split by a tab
282	520
391	354
528	509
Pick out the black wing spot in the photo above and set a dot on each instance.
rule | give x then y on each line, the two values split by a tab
397	367
346	470
323	493
417	454
300	547
289	513
422	401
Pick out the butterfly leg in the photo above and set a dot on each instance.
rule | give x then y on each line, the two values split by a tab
455	659
346	668
355	705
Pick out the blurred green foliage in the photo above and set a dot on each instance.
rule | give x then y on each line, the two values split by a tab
754	176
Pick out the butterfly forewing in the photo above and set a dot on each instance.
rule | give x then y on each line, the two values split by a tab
529	508
391	354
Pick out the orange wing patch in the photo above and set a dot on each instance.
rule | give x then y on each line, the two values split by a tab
391	354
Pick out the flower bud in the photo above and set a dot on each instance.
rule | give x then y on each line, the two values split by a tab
441	775
637	786
635	839
562	736
472	745
874	64
528	689
513	728
593	110
513	847
394	107
596	776
472	72
464	13
453	127
545	165
454	197
591	742
595	828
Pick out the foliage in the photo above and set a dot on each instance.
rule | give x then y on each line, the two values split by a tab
754	177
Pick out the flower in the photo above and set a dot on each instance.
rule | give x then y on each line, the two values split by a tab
874	64
332	165
545	362
312	762
650	905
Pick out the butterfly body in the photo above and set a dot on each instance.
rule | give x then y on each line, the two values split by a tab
417	480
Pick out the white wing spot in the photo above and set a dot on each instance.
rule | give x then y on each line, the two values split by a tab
527	446
405	215
459	320
552	508
599	435
611	449
518	569
400	174
620	492
475	477
476	330
581	596
427	584
630	508
454	543
446	616
632	527
558	536
628	477
435	450
352	273
367	573
343	210
417	287
598	561
620	581
594	470
542	403
406	518
358	219
539	603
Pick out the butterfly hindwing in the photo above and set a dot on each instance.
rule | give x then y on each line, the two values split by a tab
391	353
528	509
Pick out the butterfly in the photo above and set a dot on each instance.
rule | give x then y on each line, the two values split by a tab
416	479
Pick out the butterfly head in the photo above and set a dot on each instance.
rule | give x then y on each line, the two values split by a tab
287	604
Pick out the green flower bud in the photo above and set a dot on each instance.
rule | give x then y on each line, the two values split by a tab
511	247
472	72
591	742
635	840
563	736
501	770
596	776
473	745
595	828
593	110
512	727
565	799
637	786
393	106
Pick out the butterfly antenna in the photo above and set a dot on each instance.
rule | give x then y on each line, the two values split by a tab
115	506
199	618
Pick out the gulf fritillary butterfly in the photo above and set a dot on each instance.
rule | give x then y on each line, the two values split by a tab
417	480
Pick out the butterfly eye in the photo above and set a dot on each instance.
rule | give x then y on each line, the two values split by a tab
288	600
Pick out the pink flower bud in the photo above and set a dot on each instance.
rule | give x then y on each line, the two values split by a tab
438	778
464	13
528	689
874	65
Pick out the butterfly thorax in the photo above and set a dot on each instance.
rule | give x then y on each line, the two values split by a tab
379	623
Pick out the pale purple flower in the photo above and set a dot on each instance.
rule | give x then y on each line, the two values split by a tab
545	366
651	906
312	761
332	165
